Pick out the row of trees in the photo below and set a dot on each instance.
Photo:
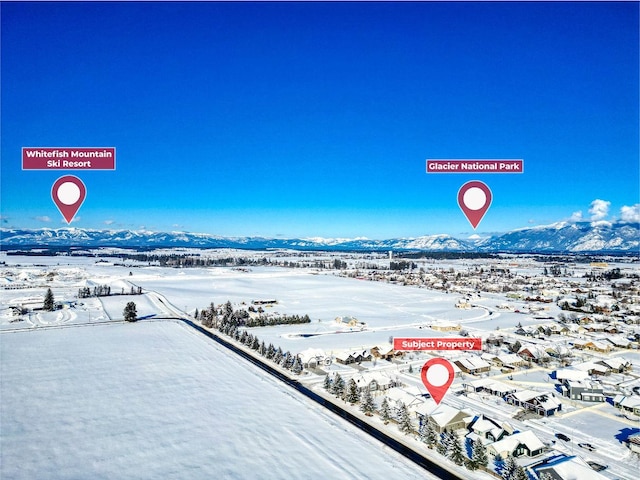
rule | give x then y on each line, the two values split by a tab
212	316
228	322
265	321
105	291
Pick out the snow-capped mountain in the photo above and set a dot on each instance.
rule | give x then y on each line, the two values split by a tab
580	237
569	237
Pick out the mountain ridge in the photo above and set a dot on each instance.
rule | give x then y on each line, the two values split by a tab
569	237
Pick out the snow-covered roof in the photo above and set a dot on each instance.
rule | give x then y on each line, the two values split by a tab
472	362
571	374
491	384
627	402
311	353
365	378
397	394
615	363
443	415
573	468
508	444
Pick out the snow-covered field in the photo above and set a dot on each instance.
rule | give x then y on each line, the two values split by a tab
156	400
97	398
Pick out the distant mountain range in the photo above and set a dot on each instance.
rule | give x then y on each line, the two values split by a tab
563	237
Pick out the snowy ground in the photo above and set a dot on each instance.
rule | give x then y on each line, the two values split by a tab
142	394
156	400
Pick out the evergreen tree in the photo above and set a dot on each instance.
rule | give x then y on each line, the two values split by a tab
327	382
456	454
430	436
446	441
228	310
271	351
441	448
287	361
277	356
338	385
296	368
366	402
404	419
478	454
385	411
130	312
49	302
352	395
519	474
545	476
509	468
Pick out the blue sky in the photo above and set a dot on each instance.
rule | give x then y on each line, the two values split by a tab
315	119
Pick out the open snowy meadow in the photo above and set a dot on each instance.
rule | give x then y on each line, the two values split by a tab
155	399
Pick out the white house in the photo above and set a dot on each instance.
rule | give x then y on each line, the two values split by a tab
517	445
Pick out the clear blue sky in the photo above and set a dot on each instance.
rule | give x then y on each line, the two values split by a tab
315	119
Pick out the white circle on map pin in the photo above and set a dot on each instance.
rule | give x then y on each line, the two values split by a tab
437	375
474	198
68	193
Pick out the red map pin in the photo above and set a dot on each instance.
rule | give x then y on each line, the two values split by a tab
68	193
474	199
437	375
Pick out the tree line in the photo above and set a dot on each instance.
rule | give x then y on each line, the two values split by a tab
232	322
105	291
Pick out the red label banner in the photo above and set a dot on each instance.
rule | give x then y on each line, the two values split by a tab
475	166
58	158
439	343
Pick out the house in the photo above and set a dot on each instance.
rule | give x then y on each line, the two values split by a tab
627	404
519	444
313	357
488	430
619	341
570	374
494	340
527	331
593	345
615	364
592	368
510	360
442	417
463	303
543	404
374	381
397	395
446	327
563	467
385	352
582	390
490	386
533	353
350	322
633	442
347	357
472	364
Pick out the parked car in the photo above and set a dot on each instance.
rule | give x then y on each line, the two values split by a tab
596	466
587	446
562	436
